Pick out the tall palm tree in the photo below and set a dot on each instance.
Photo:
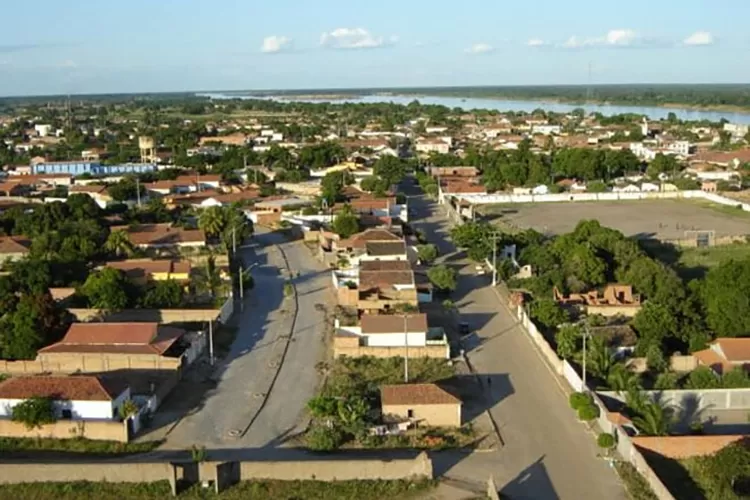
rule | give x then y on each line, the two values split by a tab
212	221
118	242
654	420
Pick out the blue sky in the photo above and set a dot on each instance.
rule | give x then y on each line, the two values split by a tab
99	46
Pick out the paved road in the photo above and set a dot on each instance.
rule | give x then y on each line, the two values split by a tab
242	410
547	452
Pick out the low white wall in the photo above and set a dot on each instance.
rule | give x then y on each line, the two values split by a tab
713	399
496	198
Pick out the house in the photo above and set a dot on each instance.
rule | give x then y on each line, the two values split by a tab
540	189
185	184
468	172
157	236
729	159
237	139
13	248
626	188
98	193
112	346
616	300
650	187
143	271
432	145
546	129
709	186
383	285
78	397
371	244
621	338
422	404
724	354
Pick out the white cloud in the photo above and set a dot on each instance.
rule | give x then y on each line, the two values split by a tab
480	48
354	38
613	38
275	43
699	38
536	42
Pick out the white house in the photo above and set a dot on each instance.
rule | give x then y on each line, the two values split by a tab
386	330
432	146
649	187
436	130
546	129
540	189
642	151
42	130
75	397
627	188
681	148
736	129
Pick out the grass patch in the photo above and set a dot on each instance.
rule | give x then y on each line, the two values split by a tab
75	445
731	210
713	256
365	375
249	490
637	486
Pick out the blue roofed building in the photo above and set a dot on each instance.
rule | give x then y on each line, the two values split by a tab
95	168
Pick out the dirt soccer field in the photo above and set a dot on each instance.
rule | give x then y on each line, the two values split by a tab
660	219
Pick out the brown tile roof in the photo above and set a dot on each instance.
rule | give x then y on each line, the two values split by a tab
382	279
359	240
735	350
678	447
385	265
381	248
742	155
125	338
14	244
416	394
61	293
87	188
73	388
161	234
385	323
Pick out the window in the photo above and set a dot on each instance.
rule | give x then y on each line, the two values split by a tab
67	414
410	413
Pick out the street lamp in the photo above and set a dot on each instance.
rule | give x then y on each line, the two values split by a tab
585	335
242	288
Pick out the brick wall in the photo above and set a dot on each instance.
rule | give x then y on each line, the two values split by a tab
685	446
153	315
67	429
69	363
436	415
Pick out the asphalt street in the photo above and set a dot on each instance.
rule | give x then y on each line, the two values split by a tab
547	454
263	384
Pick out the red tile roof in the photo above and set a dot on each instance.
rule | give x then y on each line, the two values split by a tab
416	394
73	388
161	234
385	323
125	338
14	244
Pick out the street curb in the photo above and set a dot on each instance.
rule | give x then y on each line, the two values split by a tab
286	346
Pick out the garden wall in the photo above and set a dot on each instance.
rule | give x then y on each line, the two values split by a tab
430	351
713	399
105	430
89	363
679	447
630	453
148	315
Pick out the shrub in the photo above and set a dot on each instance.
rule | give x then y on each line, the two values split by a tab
606	441
324	439
578	400
588	412
288	289
198	454
129	408
34	412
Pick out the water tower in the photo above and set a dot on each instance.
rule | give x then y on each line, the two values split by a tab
148	149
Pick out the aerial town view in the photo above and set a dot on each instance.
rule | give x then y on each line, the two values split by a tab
498	252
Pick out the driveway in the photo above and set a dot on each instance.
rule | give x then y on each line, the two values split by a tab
261	387
547	453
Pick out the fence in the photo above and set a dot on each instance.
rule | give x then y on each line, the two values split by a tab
706	399
157	315
107	430
483	199
430	351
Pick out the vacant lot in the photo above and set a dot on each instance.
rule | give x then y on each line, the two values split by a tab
660	219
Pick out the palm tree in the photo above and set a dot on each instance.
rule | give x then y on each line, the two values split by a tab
621	378
654	420
118	242
212	221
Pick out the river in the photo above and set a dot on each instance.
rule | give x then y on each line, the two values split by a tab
653	112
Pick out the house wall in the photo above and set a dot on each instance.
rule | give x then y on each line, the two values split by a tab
363	258
341	348
81	410
105	430
155	315
608	311
708	399
348	297
88	363
395	339
679	447
676	363
448	415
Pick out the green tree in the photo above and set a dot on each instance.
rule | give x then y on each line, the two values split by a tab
725	293
548	313
107	289
666	381
427	253
736	378
568	338
390	169
621	378
653	323
332	184
654	420
166	294
36	322
374	184
443	277
599	358
118	243
212	221
588	412
663	164
34	412
606	441
578	400
323	406
722	470
345	224
321	438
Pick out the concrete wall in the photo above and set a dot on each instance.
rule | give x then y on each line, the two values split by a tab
708	399
336	468
106	430
609	311
348	297
88	363
430	351
676	363
433	415
630	453
155	315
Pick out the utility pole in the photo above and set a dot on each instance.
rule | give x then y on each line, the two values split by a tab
234	240
585	334
494	259
138	190
406	344
211	341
